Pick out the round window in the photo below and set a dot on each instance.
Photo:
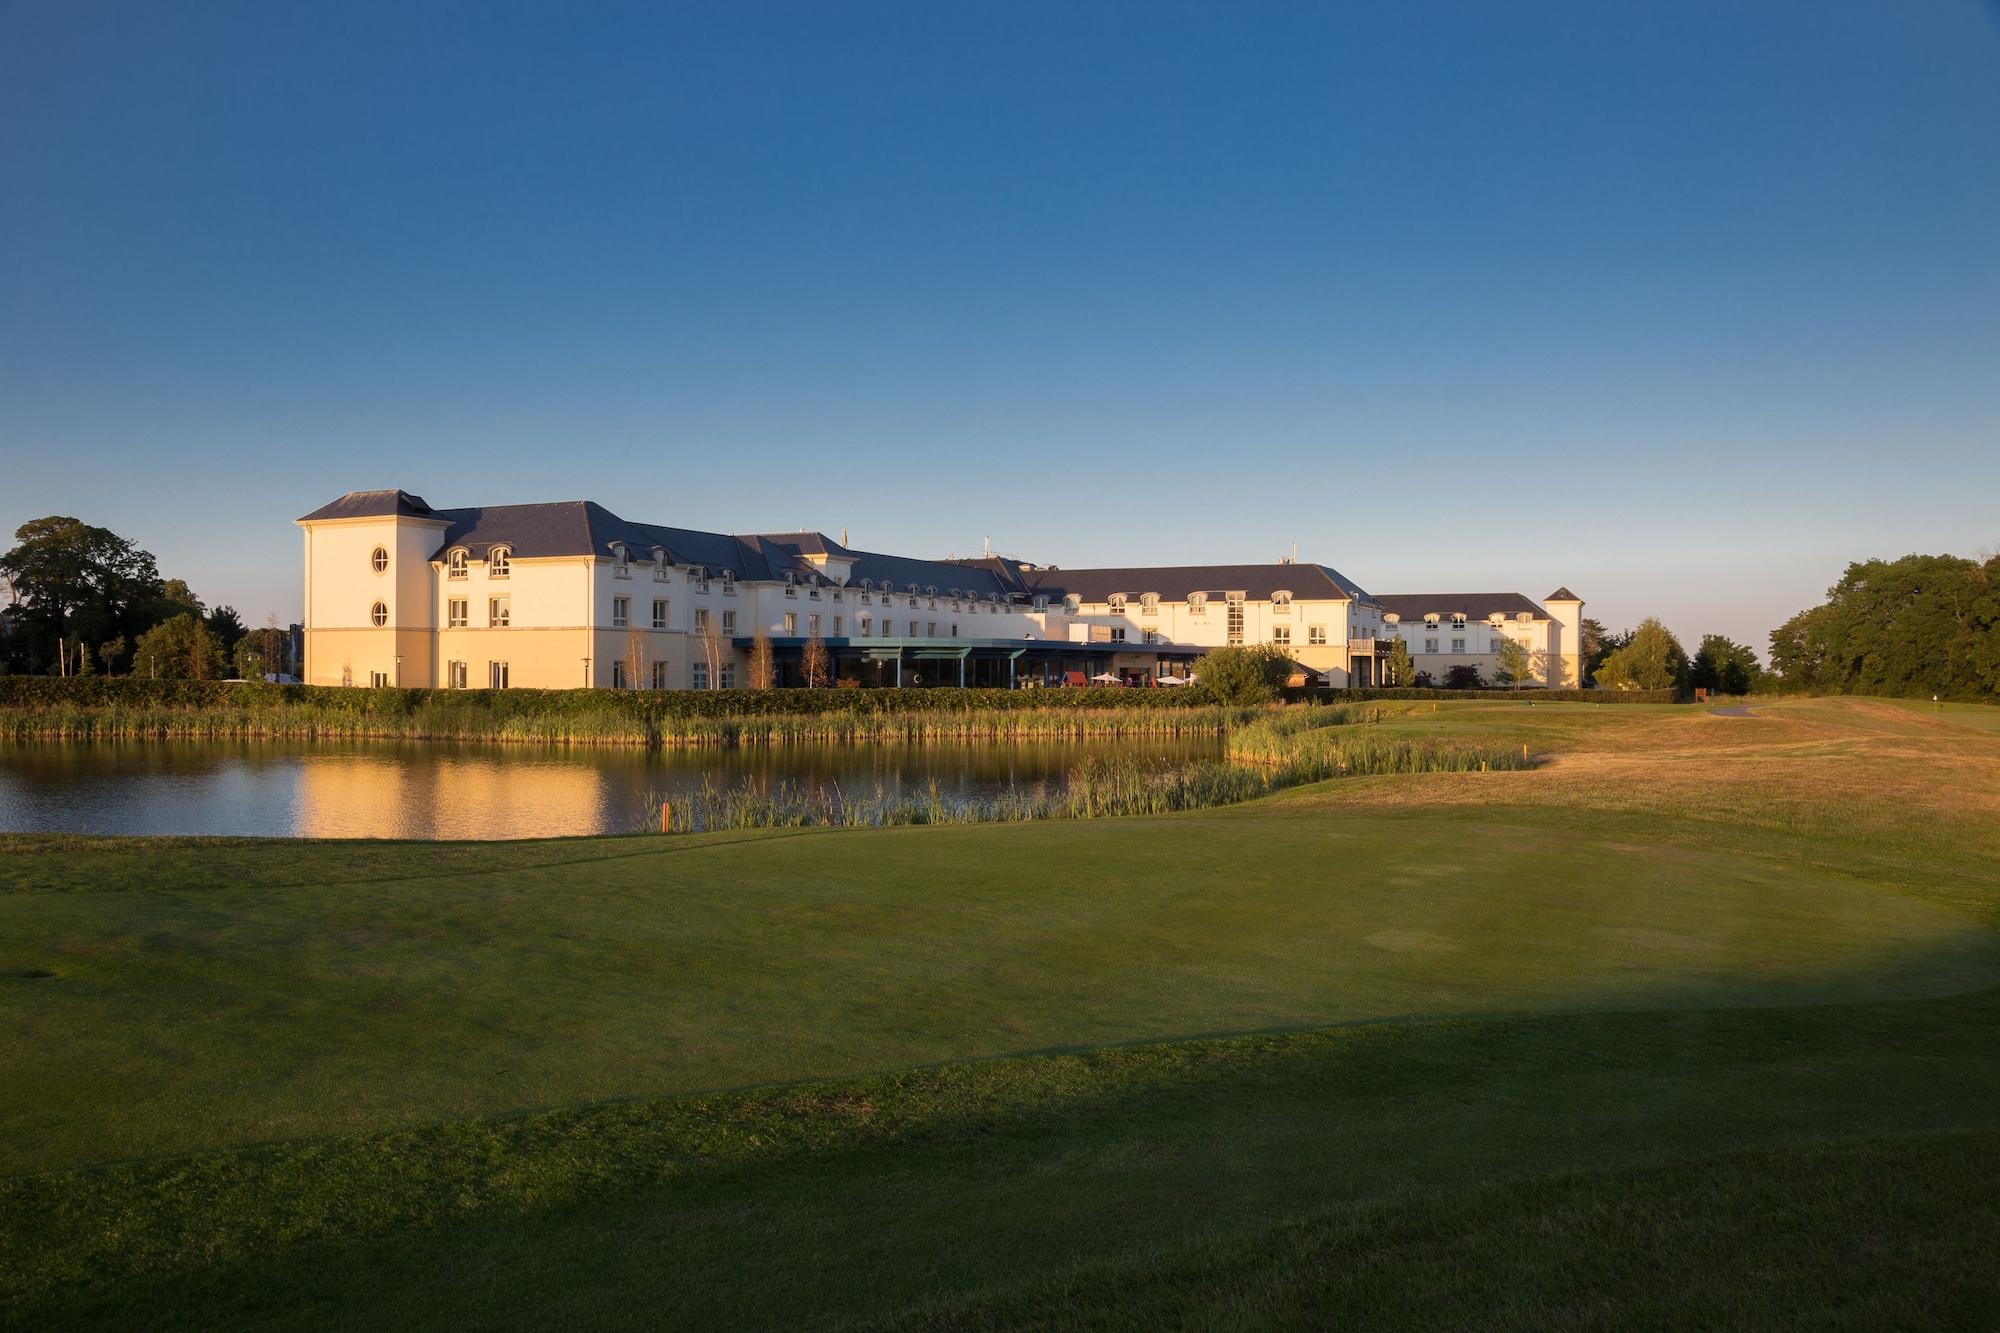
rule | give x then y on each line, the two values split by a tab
380	615
380	560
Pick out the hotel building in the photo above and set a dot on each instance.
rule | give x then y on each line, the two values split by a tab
569	594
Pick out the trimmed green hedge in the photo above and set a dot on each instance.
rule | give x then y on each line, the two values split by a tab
44	692
1525	696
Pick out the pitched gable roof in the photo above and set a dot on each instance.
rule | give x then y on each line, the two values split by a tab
1175	582
1414	606
372	504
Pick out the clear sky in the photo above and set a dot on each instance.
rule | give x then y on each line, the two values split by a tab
1682	305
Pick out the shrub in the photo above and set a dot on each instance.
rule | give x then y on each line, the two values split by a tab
1239	676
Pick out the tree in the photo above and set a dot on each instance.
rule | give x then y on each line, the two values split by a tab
225	625
813	662
1511	666
1240	675
1724	667
1651	659
763	662
262	652
110	651
1593	644
1463	676
633	659
74	581
1916	626
178	649
1423	680
709	638
1399	669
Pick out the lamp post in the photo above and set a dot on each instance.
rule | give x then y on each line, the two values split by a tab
399	671
586	673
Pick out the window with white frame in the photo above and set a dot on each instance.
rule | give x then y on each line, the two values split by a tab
812	625
729	620
791	624
729	583
700	619
660	609
499	564
457	613
622	561
1117	634
454	563
1149	636
1149	604
1197	604
791	585
454	676
1234	628
698	575
378	559
659	675
836	627
1458	645
729	675
1281	603
1041	604
1115	603
1458	621
1282	635
379	679
930	631
1430	645
618	675
496	675
660	570
1072	603
913	629
698	675
621	612
1315	634
379	613
863	622
1493	645
499	612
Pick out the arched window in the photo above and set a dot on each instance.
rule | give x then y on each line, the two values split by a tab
1281	603
1149	603
499	562
1117	603
379	560
1041	604
1197	603
623	555
1072	603
379	613
454	563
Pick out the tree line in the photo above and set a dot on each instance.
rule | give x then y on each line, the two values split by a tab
82	601
1914	627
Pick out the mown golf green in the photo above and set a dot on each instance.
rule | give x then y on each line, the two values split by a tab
1694	1023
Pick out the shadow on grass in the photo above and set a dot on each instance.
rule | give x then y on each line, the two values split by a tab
860	1198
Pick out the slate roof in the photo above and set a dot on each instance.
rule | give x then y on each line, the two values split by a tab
1414	606
1562	594
372	504
1175	582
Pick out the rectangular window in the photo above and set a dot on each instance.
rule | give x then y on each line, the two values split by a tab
1235	617
659	675
1316	634
1150	636
1430	645
617	675
455	676
791	624
700	619
379	679
1281	634
729	675
864	626
836	627
698	675
913	625
659	616
931	632
496	675
499	611
1118	634
1458	645
621	613
457	613
1493	646
729	621
812	625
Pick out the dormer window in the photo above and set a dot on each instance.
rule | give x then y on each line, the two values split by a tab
1431	620
1458	620
659	564
913	594
729	584
791	585
1116	603
698	576
1197	603
1041	604
1526	617
1072	603
499	562
1149	604
1281	603
454	563
621	555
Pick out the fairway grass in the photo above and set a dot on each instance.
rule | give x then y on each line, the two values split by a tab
1534	1048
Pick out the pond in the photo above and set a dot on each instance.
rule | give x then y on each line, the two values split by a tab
386	789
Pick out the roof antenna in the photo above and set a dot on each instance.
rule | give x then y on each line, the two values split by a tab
843	536
987	542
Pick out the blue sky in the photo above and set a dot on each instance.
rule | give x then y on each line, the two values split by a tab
1682	305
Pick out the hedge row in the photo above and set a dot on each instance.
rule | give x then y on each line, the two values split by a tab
44	692
1527	696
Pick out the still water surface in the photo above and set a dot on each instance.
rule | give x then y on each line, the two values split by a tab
386	789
